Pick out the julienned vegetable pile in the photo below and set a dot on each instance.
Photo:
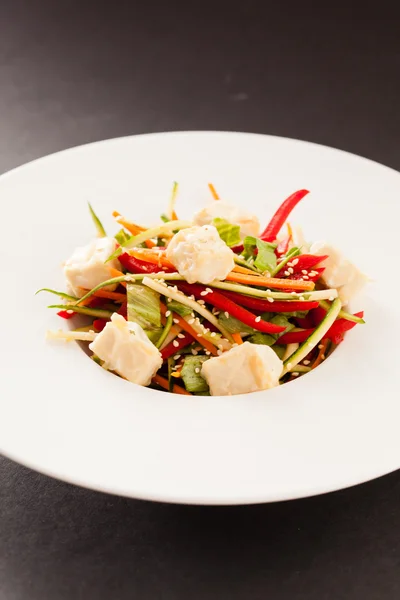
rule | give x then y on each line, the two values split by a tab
209	306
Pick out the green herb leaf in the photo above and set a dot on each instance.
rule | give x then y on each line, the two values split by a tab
143	306
97	223
282	321
229	233
233	325
193	381
265	260
122	237
262	338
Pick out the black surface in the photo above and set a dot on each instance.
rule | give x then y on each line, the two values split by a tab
73	72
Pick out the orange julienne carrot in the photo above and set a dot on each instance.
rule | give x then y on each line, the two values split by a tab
270	282
116	273
237	338
213	191
239	269
189	329
132	227
103	294
162	382
155	258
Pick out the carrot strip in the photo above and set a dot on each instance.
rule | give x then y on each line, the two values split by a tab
155	258
132	227
111	295
162	382
116	273
321	353
213	191
237	338
239	269
186	327
270	282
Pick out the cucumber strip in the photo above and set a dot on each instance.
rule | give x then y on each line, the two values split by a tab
300	369
290	349
97	223
175	294
243	263
165	331
71	336
250	291
314	338
101	313
60	294
291	254
343	314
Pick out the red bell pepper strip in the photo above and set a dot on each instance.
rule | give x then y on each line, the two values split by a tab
306	261
295	337
274	226
316	316
238	249
224	303
99	324
316	275
305	322
283	246
171	348
134	265
123	310
335	333
64	314
265	306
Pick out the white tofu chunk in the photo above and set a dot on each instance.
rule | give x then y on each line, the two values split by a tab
126	349
243	369
339	272
199	254
249	224
86	267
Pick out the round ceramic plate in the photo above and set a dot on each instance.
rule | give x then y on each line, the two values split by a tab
64	416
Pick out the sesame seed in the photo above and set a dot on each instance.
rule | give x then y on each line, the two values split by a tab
194	352
201	302
306	277
209	290
192	297
290	264
181	336
219	352
286	273
295	261
323	357
313	273
204	293
176	321
197	370
293	293
191	321
304	271
270	299
289	365
175	343
226	314
216	313
320	346
169	299
177	356
306	362
70	312
213	334
192	314
167	314
296	374
220	346
301	298
208	352
331	298
199	335
258	319
290	270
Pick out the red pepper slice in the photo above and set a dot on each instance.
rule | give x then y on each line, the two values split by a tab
224	303
335	333
134	265
64	314
295	337
283	246
307	261
180	343
99	324
274	226
316	275
265	306
123	310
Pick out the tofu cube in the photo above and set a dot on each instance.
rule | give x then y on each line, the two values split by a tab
243	369
339	272
126	349
86	267
249	224
199	254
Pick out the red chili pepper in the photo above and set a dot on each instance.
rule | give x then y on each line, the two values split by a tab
317	315
134	265
238	249
335	333
295	337
317	274
274	226
173	348
65	314
307	261
265	306
283	246
224	303
99	324
123	310
305	322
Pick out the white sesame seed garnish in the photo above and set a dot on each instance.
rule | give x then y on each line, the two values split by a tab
204	293
301	298
191	321
199	335
331	298
258	319
293	293
295	261
289	366
304	271
306	362
201	302
177	356
176	321
167	314
290	270
226	314
197	370
306	277
220	346
320	346
194	352
323	356
270	299
219	352
209	290
169	299
213	334
286	273
208	352
175	343
181	336
295	374
70	312
216	313
290	264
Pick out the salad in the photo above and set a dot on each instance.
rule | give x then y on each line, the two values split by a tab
211	306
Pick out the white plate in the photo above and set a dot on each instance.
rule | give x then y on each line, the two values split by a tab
63	415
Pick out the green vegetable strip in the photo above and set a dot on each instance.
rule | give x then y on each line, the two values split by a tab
291	254
234	325
101	313
170	292
262	338
122	237
131	277
179	308
97	223
193	380
343	314
229	233
165	331
243	263
265	259
143	306
253	291
60	294
314	338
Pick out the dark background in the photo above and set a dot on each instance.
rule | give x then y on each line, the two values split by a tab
74	72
